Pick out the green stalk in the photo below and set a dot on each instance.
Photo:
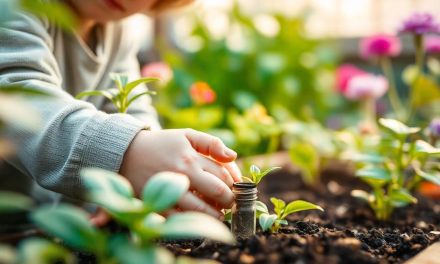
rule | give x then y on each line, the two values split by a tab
400	166
418	43
393	95
380	209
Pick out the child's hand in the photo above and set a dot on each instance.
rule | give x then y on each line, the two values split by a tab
206	161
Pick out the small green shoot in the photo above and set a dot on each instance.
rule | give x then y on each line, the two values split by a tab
256	175
122	96
273	222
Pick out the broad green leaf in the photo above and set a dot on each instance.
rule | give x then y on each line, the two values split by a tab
423	147
297	206
401	197
368	158
266	221
374	175
306	158
41	251
360	194
130	86
424	91
153	220
70	224
255	172
163	190
11	202
102	180
8	254
433	177
103	93
261	208
279	205
266	172
398	128
128	253
191	225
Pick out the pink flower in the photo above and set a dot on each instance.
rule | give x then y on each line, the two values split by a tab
201	93
158	70
432	45
343	75
366	86
420	23
380	45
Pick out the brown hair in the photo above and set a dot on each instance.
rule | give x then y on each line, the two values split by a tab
162	5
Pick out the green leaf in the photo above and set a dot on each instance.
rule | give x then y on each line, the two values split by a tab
423	147
279	206
255	172
163	190
22	90
130	86
120	80
281	222
297	206
57	13
266	172
401	197
397	128
40	251
134	98
424	91
261	208
128	253
246	179
431	177
70	224
306	158
374	175
266	221
368	158
11	202
103	93
191	225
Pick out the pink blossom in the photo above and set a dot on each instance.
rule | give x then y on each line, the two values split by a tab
420	23
343	75
201	93
158	70
432	45
380	45
366	86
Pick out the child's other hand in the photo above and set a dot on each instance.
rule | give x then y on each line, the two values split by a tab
207	162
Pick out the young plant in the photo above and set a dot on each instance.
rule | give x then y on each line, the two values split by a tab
256	175
273	222
122	96
395	166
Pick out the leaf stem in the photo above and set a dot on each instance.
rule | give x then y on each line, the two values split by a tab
393	95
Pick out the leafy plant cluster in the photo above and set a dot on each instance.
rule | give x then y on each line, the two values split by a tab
124	95
273	222
140	216
394	166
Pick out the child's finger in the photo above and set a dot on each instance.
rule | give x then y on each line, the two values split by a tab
100	218
190	202
210	146
234	171
216	169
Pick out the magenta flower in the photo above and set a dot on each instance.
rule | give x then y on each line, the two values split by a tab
420	23
434	127
158	70
344	74
380	46
432	45
367	86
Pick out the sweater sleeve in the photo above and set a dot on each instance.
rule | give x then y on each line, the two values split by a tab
73	134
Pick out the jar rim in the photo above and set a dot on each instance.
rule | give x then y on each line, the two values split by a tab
244	185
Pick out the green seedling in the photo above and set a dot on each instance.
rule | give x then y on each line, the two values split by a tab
256	175
122	96
395	167
273	222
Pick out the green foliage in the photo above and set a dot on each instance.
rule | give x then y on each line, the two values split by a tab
306	158
41	251
273	222
122	96
256	175
394	166
11	202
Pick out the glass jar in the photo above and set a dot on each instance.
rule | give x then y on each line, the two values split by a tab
244	210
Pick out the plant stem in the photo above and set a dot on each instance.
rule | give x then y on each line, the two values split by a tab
418	43
400	166
393	95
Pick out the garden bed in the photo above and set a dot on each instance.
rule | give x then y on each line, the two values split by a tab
345	233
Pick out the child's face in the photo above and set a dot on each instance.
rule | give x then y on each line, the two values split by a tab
107	10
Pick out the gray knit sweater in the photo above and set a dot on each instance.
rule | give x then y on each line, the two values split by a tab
74	134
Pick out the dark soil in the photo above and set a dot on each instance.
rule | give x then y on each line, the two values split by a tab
345	233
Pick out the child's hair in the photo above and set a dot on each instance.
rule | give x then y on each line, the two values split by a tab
162	5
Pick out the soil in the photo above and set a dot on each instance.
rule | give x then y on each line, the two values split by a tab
345	233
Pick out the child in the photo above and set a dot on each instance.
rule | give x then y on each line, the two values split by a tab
75	135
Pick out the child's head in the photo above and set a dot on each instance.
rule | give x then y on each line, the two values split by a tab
107	10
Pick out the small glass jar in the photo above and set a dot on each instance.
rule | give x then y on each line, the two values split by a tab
244	210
